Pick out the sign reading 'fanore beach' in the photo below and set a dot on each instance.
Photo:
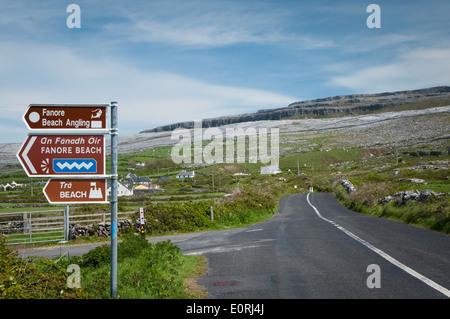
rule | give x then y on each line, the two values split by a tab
63	155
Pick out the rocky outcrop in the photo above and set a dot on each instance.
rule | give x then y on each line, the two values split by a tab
348	186
346	104
405	196
412	180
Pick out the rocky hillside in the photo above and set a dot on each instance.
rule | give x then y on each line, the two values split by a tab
333	106
399	119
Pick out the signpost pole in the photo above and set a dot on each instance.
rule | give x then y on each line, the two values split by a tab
114	177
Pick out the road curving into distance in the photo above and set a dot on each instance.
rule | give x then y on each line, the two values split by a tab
314	248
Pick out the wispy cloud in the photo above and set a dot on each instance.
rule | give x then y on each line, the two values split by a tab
200	24
416	69
146	98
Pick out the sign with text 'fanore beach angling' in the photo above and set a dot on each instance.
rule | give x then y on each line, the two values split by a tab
66	191
59	116
63	155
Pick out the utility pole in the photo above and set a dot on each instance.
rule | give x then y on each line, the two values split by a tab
114	143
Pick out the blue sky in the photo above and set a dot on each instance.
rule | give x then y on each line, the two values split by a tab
170	61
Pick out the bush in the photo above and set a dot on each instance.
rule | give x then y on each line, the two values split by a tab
145	270
431	214
96	257
36	278
241	208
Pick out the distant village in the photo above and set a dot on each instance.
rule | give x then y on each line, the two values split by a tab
10	186
134	185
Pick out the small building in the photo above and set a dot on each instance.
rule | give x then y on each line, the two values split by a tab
122	189
135	180
14	184
145	189
271	169
186	174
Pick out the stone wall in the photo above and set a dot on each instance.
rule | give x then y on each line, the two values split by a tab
102	229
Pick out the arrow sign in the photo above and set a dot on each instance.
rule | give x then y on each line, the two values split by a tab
77	191
59	116
57	155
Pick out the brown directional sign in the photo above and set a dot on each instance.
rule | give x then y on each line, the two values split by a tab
77	191
59	116
63	155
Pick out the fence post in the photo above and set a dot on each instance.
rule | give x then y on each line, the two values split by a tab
66	223
29	225
25	224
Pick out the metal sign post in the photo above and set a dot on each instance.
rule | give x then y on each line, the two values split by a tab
114	184
72	151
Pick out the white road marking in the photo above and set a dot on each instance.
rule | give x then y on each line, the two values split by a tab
252	230
392	260
220	249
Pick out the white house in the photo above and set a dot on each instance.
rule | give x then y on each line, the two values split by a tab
271	169
122	189
13	185
184	174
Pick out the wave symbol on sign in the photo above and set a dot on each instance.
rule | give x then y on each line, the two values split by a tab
71	165
78	166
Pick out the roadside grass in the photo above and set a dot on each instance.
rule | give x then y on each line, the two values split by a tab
34	278
243	207
433	213
145	270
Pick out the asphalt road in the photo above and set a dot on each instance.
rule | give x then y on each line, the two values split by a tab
315	248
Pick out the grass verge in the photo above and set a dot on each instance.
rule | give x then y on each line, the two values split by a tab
145	270
432	213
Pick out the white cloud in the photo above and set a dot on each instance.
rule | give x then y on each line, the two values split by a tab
56	75
418	68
